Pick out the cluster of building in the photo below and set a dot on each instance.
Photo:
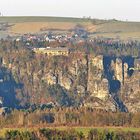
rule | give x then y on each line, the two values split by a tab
32	41
52	51
50	37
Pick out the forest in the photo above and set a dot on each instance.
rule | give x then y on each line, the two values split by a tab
84	117
23	69
33	99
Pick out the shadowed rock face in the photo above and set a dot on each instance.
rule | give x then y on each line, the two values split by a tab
108	72
107	80
7	89
123	76
130	62
115	86
113	70
72	81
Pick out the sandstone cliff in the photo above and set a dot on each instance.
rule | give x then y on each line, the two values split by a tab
106	82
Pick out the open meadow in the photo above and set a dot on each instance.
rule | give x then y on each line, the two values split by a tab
95	27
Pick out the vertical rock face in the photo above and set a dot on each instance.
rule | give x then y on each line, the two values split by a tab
66	82
4	62
7	89
51	79
131	88
122	81
119	70
109	82
97	62
125	74
97	86
100	89
137	64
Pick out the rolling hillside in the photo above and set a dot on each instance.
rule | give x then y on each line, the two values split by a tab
107	28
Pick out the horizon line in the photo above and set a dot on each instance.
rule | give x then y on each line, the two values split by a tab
84	17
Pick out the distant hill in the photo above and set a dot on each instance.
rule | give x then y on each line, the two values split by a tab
96	27
120	29
17	19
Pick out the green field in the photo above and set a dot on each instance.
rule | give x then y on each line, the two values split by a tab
84	130
17	19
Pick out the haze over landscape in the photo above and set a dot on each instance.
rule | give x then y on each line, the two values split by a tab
69	70
103	9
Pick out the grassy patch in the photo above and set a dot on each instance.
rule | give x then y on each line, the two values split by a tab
84	130
110	28
17	19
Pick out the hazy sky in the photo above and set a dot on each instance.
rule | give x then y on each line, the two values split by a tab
105	9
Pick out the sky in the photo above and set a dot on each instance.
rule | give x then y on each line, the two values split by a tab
102	9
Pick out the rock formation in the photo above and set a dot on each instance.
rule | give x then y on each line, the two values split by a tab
106	82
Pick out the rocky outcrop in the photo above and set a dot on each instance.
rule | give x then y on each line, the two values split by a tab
121	81
81	89
51	79
97	103
118	70
97	61
66	82
100	89
97	86
113	83
131	89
